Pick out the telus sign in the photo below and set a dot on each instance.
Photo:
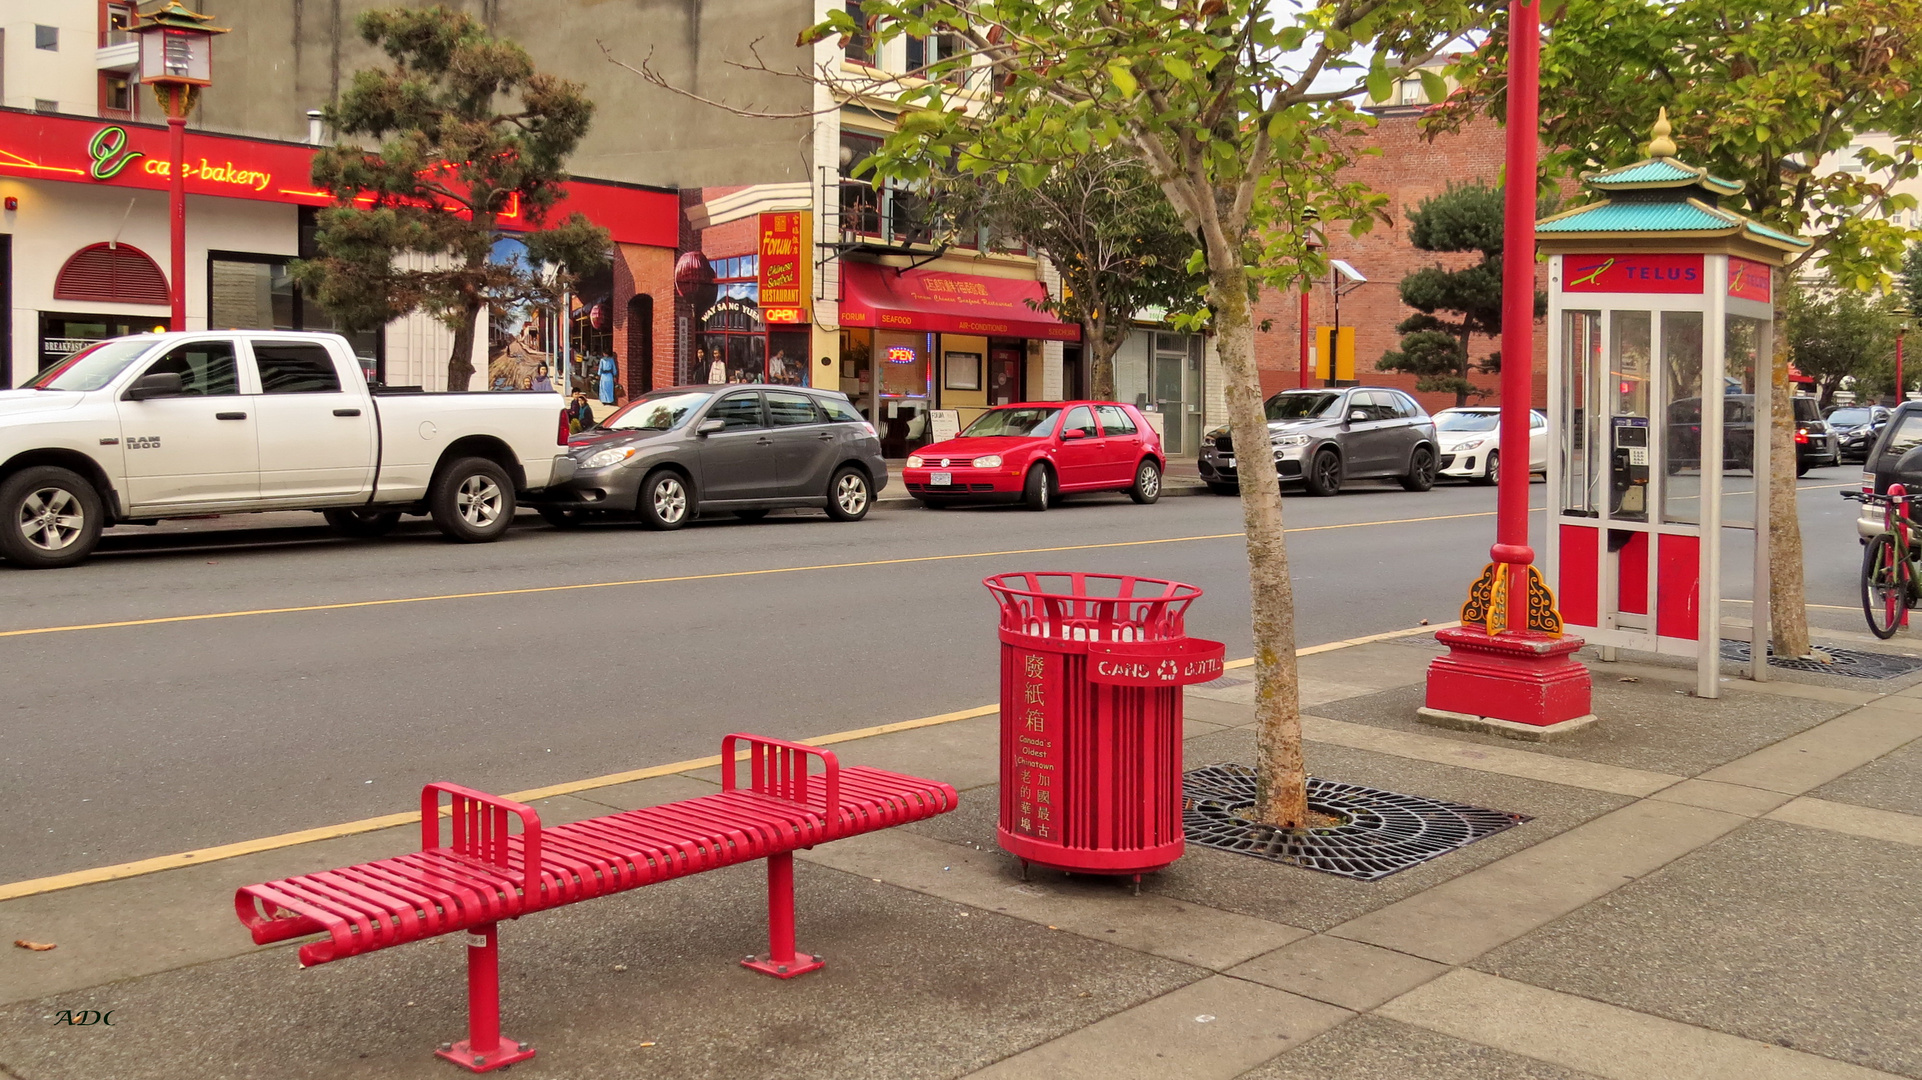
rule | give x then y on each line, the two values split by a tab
1632	273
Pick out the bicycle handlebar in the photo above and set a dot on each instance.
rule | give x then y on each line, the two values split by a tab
1873	499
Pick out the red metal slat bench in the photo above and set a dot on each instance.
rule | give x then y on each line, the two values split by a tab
486	873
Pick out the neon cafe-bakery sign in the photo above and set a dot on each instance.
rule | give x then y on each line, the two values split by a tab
57	148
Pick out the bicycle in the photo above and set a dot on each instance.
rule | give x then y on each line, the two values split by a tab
1889	562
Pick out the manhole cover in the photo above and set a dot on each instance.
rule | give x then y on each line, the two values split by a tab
1382	832
1223	683
1848	663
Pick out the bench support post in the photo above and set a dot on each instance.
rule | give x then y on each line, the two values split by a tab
484	1050
781	960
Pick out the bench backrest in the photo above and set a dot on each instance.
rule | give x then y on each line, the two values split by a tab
780	769
480	830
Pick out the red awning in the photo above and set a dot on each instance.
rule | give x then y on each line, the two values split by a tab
943	303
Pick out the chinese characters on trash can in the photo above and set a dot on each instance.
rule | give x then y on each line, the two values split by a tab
1035	740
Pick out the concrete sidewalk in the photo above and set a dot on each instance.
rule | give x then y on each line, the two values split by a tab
1727	888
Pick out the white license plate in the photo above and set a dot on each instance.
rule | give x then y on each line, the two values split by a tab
940	479
1228	463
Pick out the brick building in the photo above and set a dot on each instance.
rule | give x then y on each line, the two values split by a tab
1409	169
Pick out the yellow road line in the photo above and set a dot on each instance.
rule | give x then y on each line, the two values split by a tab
533	590
97	875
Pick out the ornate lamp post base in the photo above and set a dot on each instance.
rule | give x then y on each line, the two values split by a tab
1521	684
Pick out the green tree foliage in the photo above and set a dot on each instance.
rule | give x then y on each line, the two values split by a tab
1244	114
1842	334
456	133
1436	350
1102	222
1911	277
1772	94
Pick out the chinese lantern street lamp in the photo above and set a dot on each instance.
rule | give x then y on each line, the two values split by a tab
177	60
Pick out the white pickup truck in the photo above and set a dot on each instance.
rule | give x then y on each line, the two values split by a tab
153	426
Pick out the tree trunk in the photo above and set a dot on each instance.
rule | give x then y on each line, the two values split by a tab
1788	611
1461	389
460	363
1099	353
1282	781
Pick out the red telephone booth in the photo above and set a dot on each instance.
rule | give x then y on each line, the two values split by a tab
1660	309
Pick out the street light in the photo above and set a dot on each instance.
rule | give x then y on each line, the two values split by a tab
177	60
1339	271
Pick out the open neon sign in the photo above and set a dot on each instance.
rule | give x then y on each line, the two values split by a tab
900	354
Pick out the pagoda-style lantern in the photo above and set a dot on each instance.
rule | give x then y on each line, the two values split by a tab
177	60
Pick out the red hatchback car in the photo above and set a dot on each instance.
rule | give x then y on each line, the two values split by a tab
1033	452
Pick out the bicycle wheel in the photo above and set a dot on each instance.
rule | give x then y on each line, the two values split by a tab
1886	581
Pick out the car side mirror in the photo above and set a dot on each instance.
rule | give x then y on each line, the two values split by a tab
709	427
1357	416
1075	433
158	384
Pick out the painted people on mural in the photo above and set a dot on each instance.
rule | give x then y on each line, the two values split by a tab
608	369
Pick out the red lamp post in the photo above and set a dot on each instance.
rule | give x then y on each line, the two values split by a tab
1309	219
1509	668
176	59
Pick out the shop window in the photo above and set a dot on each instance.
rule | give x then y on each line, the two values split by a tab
111	273
64	333
735	345
247	291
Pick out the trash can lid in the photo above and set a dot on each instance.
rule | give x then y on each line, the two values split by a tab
1107	607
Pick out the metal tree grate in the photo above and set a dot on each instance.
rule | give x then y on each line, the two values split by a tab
1848	663
1381	833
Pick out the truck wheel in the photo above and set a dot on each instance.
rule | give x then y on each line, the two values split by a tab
849	494
361	522
49	517
472	501
665	503
1038	492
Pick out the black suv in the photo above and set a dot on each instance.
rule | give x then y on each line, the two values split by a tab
1903	434
1815	445
1856	427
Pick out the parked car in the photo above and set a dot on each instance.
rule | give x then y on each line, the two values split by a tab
1885	464
1815	447
1324	438
136	429
678	453
1468	439
1035	452
1856	427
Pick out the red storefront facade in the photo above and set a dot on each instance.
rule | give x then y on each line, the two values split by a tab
83	233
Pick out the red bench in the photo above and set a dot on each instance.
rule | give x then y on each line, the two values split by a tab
487	873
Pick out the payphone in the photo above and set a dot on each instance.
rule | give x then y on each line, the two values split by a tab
1660	310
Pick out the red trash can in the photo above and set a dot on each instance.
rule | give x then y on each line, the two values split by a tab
1092	667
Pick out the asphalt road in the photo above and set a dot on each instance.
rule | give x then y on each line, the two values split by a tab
131	741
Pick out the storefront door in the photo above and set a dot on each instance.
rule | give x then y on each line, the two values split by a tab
1176	383
1004	375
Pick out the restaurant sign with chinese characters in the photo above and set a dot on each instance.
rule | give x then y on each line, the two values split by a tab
1037	746
784	266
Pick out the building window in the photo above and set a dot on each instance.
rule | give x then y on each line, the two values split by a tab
41	104
735	345
46	37
111	273
860	46
1413	93
119	28
116	96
